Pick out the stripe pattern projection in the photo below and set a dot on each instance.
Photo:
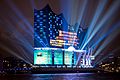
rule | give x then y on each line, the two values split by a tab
65	39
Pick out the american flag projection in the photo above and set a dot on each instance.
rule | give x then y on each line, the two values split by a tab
65	39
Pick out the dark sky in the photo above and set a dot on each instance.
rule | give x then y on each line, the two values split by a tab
16	22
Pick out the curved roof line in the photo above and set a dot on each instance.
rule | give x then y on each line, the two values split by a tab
48	7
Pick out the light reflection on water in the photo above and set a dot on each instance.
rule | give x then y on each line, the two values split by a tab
67	76
63	76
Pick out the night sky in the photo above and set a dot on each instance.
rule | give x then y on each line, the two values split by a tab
17	20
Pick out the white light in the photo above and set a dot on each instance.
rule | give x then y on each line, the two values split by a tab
71	48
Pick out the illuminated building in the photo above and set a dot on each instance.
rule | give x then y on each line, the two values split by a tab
46	26
52	38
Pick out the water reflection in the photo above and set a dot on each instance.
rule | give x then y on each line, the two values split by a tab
70	76
66	76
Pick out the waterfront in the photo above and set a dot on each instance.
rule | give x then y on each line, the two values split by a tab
63	76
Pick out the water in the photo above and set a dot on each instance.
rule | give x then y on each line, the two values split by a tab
66	76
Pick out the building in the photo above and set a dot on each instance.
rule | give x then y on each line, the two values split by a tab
56	41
